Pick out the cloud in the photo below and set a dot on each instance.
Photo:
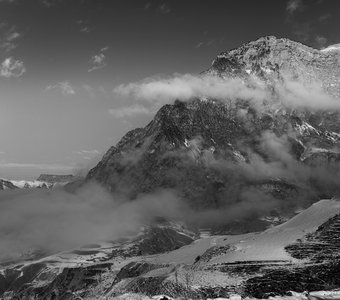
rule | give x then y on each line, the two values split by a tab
302	31
321	41
64	87
129	111
8	37
164	8
325	17
296	94
186	87
211	42
55	220
83	26
290	92
12	68
199	45
2	152
87	154
98	61
294	6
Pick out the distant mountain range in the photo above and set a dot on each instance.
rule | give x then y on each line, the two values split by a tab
43	181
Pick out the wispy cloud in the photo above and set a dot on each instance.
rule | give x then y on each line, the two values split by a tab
187	86
199	45
48	3
87	154
129	111
64	87
98	61
305	30
294	6
164	8
321	41
8	37
302	31
83	26
12	68
291	92
325	17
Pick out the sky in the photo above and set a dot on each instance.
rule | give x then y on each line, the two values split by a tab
61	62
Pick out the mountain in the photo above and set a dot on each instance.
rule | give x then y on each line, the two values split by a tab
6	184
250	172
43	181
27	184
272	59
335	47
213	153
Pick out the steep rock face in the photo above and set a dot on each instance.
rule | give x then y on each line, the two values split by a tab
272	59
201	148
182	147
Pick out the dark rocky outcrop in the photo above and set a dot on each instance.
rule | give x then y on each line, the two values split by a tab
320	246
154	240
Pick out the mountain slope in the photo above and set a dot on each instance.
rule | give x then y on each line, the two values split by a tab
223	153
216	266
273	59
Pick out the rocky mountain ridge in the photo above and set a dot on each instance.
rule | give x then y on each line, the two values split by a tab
272	59
206	149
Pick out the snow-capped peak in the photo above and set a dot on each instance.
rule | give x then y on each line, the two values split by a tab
331	48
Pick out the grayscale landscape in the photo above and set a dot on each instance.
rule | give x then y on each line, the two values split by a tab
170	149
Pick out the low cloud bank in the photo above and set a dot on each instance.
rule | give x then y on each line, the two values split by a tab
289	92
55	220
186	87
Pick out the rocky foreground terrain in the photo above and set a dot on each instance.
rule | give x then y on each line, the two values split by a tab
249	169
299	255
